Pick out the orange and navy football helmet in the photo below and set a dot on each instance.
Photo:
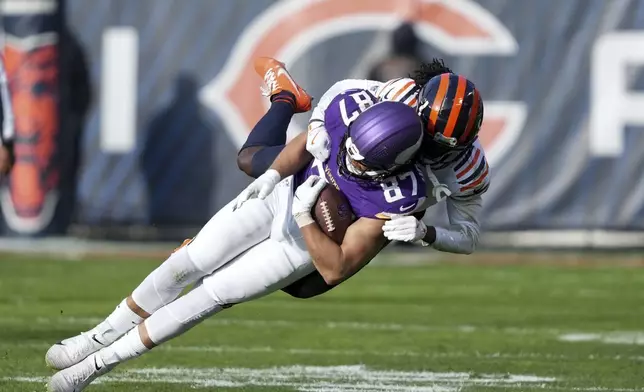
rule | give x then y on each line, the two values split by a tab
451	109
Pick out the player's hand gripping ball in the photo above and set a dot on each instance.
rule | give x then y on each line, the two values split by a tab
316	201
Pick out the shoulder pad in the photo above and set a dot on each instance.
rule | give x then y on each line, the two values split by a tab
472	173
402	90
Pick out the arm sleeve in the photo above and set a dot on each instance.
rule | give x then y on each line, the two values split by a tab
462	235
337	88
6	112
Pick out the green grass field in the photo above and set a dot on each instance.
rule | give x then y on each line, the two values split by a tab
440	327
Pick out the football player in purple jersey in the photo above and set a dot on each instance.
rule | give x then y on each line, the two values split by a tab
457	172
266	239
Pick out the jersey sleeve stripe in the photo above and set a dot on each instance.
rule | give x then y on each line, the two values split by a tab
464	157
482	166
470	166
477	182
481	189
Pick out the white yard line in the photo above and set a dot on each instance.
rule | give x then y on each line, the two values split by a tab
355	378
615	337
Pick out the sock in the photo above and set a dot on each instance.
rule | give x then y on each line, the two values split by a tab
270	130
284	96
127	347
121	320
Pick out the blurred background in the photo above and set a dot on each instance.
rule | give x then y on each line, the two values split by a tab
129	114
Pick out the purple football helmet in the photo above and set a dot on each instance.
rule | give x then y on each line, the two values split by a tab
384	140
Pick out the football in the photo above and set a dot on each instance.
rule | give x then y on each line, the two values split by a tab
333	213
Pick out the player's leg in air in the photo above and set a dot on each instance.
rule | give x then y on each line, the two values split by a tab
153	313
268	137
265	141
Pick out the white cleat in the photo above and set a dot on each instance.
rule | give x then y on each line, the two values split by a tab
71	351
79	376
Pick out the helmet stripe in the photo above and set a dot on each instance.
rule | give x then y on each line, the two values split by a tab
456	107
473	116
438	100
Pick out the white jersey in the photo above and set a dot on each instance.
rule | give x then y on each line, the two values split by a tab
459	178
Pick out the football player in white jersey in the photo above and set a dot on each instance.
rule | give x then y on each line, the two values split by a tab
452	111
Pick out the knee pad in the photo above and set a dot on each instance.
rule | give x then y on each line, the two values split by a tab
181	315
166	282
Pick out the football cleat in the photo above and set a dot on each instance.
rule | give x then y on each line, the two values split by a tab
277	79
79	376
71	351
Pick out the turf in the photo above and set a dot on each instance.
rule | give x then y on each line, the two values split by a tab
439	327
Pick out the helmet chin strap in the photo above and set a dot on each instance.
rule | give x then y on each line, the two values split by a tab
354	170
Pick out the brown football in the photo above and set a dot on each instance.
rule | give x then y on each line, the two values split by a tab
333	213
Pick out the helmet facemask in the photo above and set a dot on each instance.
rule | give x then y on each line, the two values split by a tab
381	142
351	163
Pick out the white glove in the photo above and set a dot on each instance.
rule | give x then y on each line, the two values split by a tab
260	188
318	142
304	199
404	228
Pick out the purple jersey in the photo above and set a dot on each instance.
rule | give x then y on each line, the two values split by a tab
400	195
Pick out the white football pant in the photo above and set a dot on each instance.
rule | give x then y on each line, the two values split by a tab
238	255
